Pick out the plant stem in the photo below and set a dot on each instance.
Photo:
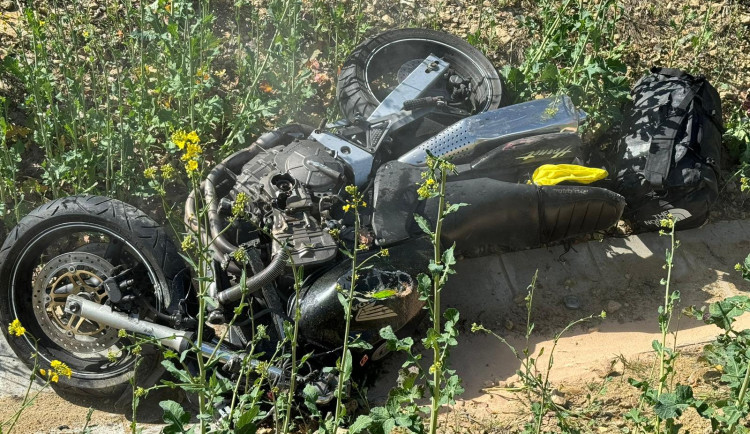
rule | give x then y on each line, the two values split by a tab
741	397
295	334
28	389
664	323
437	371
350	296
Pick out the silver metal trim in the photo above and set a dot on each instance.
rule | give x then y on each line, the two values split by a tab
413	86
476	135
358	159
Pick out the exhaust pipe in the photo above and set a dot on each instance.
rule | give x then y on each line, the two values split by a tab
178	340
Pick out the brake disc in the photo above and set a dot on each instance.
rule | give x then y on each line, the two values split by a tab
78	273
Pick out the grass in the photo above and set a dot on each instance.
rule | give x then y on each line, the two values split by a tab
100	93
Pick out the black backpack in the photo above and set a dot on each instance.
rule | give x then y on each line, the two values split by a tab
667	158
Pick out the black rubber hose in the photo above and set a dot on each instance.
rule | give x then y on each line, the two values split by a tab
257	281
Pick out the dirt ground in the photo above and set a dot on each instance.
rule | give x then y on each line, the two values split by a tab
621	276
592	362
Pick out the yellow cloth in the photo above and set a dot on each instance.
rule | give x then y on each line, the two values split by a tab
552	174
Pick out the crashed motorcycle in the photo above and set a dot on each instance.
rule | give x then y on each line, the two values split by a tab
79	269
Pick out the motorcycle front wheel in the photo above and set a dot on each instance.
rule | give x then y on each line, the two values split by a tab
379	64
71	246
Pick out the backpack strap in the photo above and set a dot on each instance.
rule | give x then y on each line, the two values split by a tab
659	159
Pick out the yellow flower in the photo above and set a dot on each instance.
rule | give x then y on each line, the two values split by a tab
346	207
43	372
122	333
240	255
191	166
179	138
15	328
167	171
60	368
384	253
192	150
364	204
188	243
668	222
55	378
193	137
240	202
86	33
423	192
150	173
738	267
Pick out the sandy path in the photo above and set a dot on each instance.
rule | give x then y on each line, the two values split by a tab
618	275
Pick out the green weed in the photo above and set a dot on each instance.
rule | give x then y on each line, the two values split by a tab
535	380
574	52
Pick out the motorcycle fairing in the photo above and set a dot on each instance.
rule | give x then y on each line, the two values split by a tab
475	135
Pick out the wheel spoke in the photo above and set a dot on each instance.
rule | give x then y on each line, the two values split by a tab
79	324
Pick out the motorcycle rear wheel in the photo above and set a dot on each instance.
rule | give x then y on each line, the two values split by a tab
379	64
69	246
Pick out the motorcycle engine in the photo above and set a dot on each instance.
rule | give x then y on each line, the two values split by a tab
293	188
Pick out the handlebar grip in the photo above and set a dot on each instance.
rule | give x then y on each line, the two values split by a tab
427	101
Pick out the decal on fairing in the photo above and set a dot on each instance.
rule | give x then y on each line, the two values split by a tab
372	312
553	153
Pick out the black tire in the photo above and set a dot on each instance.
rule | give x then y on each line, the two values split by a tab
389	52
77	237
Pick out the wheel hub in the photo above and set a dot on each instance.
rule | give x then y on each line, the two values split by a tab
82	274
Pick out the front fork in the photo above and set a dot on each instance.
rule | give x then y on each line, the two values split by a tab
182	340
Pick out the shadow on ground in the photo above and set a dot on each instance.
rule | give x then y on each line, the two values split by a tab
621	276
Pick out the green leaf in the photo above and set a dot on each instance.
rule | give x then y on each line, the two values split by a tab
383	293
656	345
363	422
346	366
449	257
423	224
731	414
453	208
311	393
388	334
344	302
245	423
175	417
669	406
179	373
359	343
435	268
684	394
